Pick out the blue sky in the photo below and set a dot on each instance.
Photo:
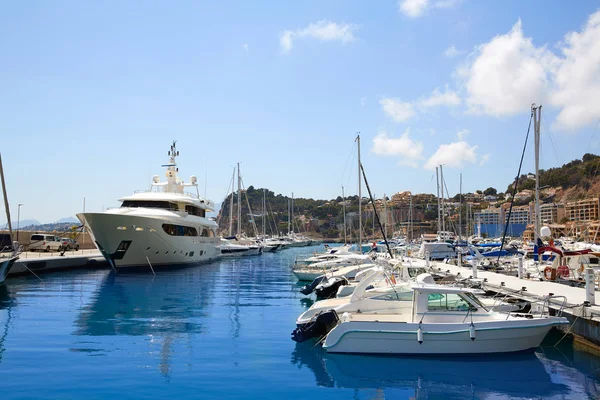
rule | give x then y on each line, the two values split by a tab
94	93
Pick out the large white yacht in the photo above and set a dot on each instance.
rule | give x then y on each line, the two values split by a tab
161	227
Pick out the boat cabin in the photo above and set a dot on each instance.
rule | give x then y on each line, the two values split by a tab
437	303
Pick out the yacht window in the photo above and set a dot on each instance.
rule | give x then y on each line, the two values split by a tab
446	302
193	210
398	296
179	230
167	205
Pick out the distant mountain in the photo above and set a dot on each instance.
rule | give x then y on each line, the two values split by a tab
67	220
22	223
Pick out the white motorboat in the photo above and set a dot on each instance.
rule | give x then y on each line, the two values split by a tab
443	320
160	227
312	270
231	249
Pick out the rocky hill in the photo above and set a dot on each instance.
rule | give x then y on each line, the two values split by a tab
576	180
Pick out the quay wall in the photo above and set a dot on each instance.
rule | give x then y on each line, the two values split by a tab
84	239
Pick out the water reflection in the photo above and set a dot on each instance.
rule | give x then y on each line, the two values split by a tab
468	377
6	304
165	308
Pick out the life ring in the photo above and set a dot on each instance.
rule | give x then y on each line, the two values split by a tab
548	273
562	271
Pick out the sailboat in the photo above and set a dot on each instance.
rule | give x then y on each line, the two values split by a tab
230	246
9	254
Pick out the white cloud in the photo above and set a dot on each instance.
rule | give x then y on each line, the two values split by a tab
245	47
507	74
577	78
453	155
452	51
484	159
397	110
363	101
437	98
447	3
413	8
462	134
403	146
322	30
401	111
416	8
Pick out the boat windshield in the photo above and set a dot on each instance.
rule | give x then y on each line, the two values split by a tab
474	300
414	272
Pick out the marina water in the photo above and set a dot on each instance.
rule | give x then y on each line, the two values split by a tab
222	331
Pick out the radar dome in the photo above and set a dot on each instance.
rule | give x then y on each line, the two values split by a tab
193	179
155	179
545	231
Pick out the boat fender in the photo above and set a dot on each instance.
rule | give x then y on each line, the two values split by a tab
472	331
420	334
548	273
345	317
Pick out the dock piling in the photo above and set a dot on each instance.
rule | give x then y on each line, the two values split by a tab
590	286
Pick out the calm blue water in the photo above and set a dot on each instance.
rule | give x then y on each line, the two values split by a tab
223	332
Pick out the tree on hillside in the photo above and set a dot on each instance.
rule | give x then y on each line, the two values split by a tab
490	191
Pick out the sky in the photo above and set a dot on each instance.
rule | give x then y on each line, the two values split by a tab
93	94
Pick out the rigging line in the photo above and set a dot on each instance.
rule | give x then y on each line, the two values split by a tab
554	147
593	132
512	199
348	159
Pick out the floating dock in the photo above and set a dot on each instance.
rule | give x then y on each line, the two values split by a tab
580	308
42	262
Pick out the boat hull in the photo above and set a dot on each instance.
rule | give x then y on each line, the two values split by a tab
401	338
128	241
5	266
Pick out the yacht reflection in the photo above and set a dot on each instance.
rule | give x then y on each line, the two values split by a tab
454	378
6	304
165	308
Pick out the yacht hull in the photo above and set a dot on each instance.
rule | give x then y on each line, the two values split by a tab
5	266
128	241
401	338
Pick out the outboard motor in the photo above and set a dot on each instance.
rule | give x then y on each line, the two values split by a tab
308	289
318	327
329	288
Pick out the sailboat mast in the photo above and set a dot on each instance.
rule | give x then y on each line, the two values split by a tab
264	214
437	180
442	199
344	210
289	216
239	201
231	203
460	212
410	219
359	199
537	118
6	200
292	210
385	224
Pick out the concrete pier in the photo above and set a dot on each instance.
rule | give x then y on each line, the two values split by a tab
583	314
53	261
